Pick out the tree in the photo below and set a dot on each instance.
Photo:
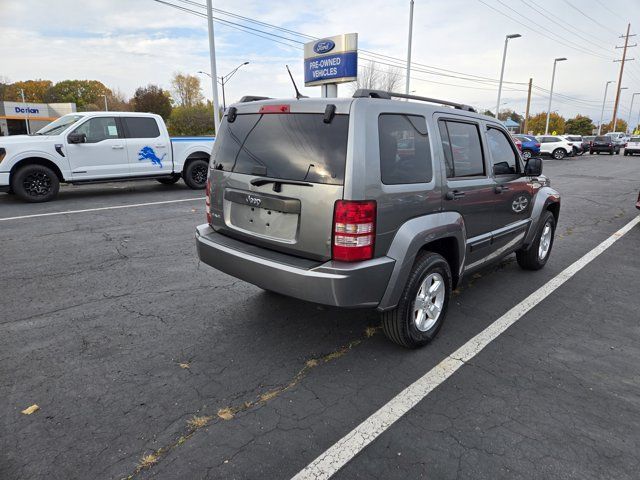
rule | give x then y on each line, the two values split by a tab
186	90
374	78
512	114
4	85
36	91
489	113
85	94
537	122
579	125
152	99
196	120
621	126
118	102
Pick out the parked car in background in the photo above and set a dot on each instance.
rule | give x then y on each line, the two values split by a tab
92	147
619	139
589	139
518	143
579	145
530	146
555	146
633	146
604	143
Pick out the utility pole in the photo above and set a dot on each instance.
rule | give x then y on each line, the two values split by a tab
406	88
624	59
526	113
214	73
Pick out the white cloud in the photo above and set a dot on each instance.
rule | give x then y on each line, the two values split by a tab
126	44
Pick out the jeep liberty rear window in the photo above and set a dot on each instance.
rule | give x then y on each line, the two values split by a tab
288	146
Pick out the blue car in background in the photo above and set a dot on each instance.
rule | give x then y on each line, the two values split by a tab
530	146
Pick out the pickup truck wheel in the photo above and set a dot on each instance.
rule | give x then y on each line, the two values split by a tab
195	175
536	256
559	154
35	183
169	180
423	305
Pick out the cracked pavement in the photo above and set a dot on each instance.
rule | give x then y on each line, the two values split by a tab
99	309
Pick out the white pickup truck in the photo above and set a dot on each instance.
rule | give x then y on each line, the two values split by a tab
91	147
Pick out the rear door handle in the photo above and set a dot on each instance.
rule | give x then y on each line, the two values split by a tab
501	188
117	147
454	195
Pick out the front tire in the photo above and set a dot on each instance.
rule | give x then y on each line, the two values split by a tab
35	184
195	175
526	155
536	256
559	154
423	304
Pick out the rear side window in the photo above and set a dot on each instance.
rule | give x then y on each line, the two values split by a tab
405	156
141	127
288	146
503	157
635	139
462	148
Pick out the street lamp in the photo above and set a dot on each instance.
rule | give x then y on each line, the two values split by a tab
105	103
603	102
504	58
631	110
224	79
553	77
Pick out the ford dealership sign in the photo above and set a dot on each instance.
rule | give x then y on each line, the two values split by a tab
331	60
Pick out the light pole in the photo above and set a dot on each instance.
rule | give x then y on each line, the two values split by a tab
223	81
615	117
631	110
504	58
603	102
406	88
26	110
105	103
553	77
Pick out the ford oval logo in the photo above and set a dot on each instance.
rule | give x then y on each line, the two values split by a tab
324	46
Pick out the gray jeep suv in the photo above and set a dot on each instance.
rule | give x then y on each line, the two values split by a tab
371	202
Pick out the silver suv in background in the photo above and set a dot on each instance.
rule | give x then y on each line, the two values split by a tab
371	202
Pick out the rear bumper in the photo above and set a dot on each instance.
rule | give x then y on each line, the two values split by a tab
340	284
602	148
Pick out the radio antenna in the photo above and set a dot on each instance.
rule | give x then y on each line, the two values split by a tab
298	94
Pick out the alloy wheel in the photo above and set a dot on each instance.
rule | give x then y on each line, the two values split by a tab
37	184
545	241
429	302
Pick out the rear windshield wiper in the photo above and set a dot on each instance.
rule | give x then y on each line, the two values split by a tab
277	183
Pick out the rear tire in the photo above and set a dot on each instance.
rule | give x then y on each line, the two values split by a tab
536	256
559	154
195	175
169	180
526	155
35	184
423	304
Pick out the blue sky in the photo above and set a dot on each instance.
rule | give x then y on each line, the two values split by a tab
126	44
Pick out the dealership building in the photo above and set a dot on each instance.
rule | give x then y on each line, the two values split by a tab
17	118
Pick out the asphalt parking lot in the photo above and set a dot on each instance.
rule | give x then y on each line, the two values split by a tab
147	364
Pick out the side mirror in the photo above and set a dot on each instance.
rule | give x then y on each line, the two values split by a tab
533	167
77	138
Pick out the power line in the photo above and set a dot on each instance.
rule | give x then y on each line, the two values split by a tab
589	17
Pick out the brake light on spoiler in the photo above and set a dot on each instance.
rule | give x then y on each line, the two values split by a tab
354	230
275	109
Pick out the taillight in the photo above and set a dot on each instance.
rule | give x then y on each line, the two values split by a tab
537	145
207	200
354	230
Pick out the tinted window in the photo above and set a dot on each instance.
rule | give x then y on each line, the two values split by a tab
288	146
602	139
98	129
575	139
405	156
635	139
141	127
462	148
503	157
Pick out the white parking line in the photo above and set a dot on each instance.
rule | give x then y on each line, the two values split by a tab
115	207
355	441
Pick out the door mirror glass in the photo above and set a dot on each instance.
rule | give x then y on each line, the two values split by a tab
77	138
533	168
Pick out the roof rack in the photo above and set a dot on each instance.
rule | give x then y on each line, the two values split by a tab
367	93
252	98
